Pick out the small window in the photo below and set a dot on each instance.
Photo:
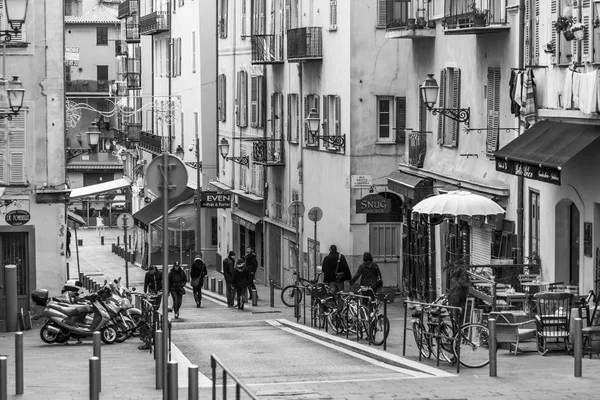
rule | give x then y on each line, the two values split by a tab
102	36
293	117
391	119
102	72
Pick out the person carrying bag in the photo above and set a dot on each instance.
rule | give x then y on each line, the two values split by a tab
197	274
335	270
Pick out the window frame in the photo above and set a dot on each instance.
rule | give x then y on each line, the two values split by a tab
293	118
392	246
534	222
257	98
450	88
101	36
241	99
397	119
98	69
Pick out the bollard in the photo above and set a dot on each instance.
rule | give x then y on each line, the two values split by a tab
137	301
102	240
254	298
3	378
19	362
158	354
493	346
577	346
79	242
97	341
10	292
94	384
220	286
172	388
213	282
118	241
114	248
272	292
193	382
68	277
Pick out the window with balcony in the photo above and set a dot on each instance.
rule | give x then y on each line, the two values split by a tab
13	158
257	98
241	99
449	97
258	26
565	51
310	101
391	119
221	97
223	5
493	109
101	36
393	12
293	117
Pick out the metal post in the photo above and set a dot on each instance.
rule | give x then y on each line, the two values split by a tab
493	346
220	286
93	376
173	389
3	378
165	314
198	198
193	382
77	251
127	266
158	353
385	318
102	240
254	298
10	291
298	258
68	277
181	247
19	362
315	250
213	281
272	292
577	349
96	345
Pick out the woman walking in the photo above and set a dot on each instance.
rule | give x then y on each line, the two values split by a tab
177	281
197	274
240	282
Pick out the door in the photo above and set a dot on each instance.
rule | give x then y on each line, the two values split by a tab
574	248
13	251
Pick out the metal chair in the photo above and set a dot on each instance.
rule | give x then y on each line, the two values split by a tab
99	226
552	318
510	331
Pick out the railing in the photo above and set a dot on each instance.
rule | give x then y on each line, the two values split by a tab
99	86
120	48
417	149
407	14
463	14
153	23
304	44
132	30
268	151
239	385
267	49
126	8
151	143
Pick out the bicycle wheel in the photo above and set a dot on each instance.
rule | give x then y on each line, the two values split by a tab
379	329
446	350
288	295
421	339
473	341
319	315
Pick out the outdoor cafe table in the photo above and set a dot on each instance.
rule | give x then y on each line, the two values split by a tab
517	297
534	287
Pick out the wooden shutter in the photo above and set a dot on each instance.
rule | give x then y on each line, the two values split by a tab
254	102
493	106
16	148
587	42
168	57
288	14
381	12
536	33
527	32
261	101
481	245
400	120
273	112
297	117
455	105
280	116
238	96
178	56
223	20
289	117
442	104
221	96
555	38
338	106
332	15
325	125
310	101
244	99
576	54
244	20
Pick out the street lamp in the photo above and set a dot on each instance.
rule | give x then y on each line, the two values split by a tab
429	93
16	11
313	123
179	152
11	97
93	134
224	150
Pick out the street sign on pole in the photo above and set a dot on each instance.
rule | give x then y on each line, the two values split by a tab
315	214
124	221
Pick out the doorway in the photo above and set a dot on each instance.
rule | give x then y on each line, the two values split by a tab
567	243
574	234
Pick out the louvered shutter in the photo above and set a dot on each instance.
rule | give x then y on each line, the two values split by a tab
280	116
223	19
555	38
244	99
536	33
381	12
400	120
168	57
254	102
16	148
575	45
332	14
289	117
261	101
238	96
244	23
224	98
481	245
288	14
455	105
338	122
325	115
178	56
527	32
587	42
442	104
297	117
310	101
3	151
273	112
493	105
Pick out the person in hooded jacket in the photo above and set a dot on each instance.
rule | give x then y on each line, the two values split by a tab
252	265
177	281
369	274
240	282
197	274
228	265
335	270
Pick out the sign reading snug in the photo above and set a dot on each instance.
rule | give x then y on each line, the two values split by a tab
215	200
373	204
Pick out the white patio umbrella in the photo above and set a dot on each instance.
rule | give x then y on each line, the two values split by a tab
458	202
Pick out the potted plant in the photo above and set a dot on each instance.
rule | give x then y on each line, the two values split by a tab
479	16
578	30
563	24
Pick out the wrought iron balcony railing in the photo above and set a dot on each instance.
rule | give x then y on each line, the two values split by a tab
474	16
127	8
133	73
305	44
268	151
154	23
417	148
403	22
151	143
88	86
132	30
267	49
120	48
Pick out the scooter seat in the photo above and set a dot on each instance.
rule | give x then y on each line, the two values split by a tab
71	310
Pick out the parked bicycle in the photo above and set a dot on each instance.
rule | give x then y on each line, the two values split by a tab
291	292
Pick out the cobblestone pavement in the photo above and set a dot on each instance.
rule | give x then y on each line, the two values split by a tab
61	371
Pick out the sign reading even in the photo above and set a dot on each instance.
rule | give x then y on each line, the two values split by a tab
17	217
543	174
215	200
373	204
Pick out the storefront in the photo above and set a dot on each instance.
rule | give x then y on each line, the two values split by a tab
247	230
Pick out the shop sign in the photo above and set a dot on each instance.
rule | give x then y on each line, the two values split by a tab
215	200
373	204
361	181
17	217
543	174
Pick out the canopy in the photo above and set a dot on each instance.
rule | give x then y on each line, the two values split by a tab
458	202
75	218
154	210
98	188
185	211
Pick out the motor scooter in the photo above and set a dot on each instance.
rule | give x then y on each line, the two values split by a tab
64	321
132	313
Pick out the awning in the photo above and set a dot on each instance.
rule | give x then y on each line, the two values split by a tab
245	219
75	218
187	213
220	186
154	210
100	188
412	187
541	151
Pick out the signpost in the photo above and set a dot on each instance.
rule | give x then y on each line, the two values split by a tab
181	225
124	221
315	214
166	176
296	210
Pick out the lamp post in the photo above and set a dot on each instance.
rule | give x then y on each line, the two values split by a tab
93	134
16	11
429	93
224	150
179	152
313	123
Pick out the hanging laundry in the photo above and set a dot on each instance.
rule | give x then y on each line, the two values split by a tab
529	112
588	89
567	94
514	106
519	94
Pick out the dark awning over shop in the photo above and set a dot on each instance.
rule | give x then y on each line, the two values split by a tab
152	211
412	187
76	219
245	219
541	151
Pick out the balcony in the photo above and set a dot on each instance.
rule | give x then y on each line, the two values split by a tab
417	148
132	30
268	152
403	23
120	48
305	44
154	23
127	8
133	73
267	49
150	143
470	17
88	86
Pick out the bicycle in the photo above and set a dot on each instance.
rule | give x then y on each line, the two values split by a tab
291	292
146	325
372	319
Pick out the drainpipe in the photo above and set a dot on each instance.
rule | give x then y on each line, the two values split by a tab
171	65
521	179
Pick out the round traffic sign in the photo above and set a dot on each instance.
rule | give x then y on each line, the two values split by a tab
172	172
181	222
124	220
296	209
315	214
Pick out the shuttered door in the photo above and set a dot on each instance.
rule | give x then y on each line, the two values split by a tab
275	253
481	242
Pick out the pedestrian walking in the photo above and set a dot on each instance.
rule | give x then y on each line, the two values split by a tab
197	274
177	281
240	282
369	273
68	242
335	270
228	266
252	265
153	283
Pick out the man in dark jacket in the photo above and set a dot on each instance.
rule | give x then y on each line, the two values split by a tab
240	281
197	274
228	265
252	265
177	281
369	274
153	283
335	270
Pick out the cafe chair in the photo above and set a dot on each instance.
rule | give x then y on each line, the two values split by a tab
591	332
512	332
99	226
552	319
553	287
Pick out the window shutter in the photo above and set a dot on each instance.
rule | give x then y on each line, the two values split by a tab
224	98
254	102
178	56
244	99
310	101
575	49
381	12
441	104
223	19
401	120
332	14
279	114
244	20
587	42
325	116
261	102
16	148
553	18
273	113
168	57
297	116
455	104
527	33
536	33
338	106
493	105
289	117
288	14
238	98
